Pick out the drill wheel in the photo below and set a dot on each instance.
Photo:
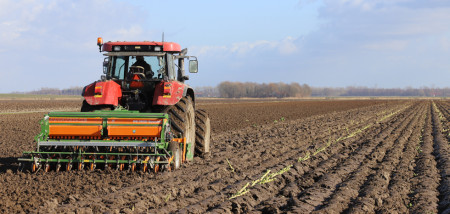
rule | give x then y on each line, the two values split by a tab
92	166
133	165
34	168
156	169
80	166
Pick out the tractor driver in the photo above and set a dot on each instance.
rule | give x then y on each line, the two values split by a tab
147	68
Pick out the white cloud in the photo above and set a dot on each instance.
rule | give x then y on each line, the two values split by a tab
15	18
343	6
378	24
392	43
364	5
243	48
207	50
286	46
67	24
395	45
379	37
59	38
445	43
129	33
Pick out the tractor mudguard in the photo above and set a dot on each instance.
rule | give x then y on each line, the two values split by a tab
168	93
102	93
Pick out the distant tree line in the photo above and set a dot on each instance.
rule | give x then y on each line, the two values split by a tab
55	91
257	90
373	92
249	89
239	89
206	91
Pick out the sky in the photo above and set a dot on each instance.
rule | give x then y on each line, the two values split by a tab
322	43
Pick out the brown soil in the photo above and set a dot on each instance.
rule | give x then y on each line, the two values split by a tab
24	106
370	156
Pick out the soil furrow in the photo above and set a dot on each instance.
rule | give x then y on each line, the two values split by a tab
442	155
376	187
400	185
318	171
375	151
219	196
445	109
425	196
349	188
322	179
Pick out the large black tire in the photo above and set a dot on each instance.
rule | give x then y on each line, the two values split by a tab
202	133
174	148
182	121
85	107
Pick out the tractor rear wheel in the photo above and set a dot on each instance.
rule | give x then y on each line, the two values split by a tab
85	107
182	123
202	133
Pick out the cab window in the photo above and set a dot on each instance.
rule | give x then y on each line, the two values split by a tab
118	67
156	63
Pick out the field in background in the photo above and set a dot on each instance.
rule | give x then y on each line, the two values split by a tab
38	97
79	97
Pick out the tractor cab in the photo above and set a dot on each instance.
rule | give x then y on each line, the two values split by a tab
143	76
165	59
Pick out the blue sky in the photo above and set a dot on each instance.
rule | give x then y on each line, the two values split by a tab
337	43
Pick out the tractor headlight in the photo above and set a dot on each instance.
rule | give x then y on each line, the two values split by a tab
116	48
157	48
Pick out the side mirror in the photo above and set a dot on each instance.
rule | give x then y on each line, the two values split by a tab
105	65
193	66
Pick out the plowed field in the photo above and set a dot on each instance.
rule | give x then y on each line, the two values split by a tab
367	156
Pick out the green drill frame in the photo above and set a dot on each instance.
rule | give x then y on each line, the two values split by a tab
43	135
159	145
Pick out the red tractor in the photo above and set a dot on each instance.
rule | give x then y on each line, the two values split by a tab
139	116
149	77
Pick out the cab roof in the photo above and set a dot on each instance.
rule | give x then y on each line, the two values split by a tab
167	46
